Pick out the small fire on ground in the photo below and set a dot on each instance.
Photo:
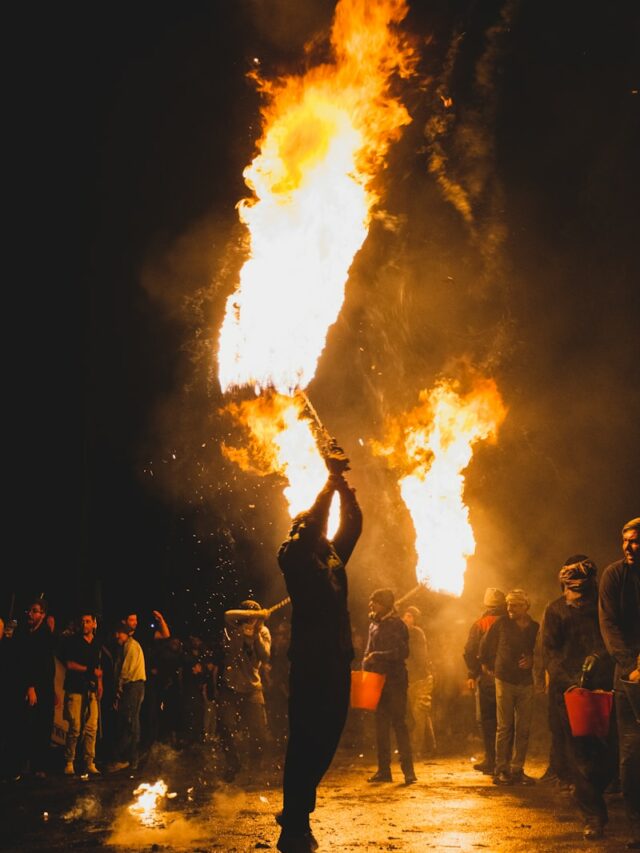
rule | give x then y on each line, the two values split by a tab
145	808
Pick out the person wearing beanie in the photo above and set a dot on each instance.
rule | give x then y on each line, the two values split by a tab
506	651
574	653
482	683
619	613
241	709
420	692
386	652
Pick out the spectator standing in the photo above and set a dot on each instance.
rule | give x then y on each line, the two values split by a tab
506	651
420	692
247	647
130	680
35	675
81	654
619	613
482	682
386	653
573	650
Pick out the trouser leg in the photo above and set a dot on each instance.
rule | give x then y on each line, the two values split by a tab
72	713
505	708
228	723
398	715
90	730
523	712
383	730
256	724
629	750
318	704
488	722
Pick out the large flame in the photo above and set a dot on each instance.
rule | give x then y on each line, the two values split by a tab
431	447
325	138
280	440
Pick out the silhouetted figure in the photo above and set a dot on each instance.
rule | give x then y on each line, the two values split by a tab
35	673
573	651
320	651
619	611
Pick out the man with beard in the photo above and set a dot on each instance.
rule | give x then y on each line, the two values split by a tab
386	653
81	655
572	647
482	683
35	678
619	610
320	650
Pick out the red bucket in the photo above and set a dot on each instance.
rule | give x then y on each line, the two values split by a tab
366	688
589	711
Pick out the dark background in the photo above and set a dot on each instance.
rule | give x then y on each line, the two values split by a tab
132	127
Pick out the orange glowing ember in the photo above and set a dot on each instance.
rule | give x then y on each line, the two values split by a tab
432	446
325	136
280	440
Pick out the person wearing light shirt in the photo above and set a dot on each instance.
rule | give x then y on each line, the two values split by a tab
131	679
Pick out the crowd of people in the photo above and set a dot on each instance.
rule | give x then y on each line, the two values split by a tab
280	697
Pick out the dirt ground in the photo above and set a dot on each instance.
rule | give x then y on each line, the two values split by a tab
452	807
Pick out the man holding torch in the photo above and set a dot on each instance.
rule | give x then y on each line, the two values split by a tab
320	650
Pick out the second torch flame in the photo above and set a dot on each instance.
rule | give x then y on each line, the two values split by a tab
430	447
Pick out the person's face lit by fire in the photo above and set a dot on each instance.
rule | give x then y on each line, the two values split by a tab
517	610
88	625
121	637
249	627
409	619
631	547
376	610
132	621
35	616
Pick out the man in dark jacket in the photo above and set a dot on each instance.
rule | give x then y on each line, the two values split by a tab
320	650
35	678
619	611
482	683
506	651
574	652
386	653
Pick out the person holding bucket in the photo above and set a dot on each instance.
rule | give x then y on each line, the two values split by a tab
386	653
619	611
575	654
320	649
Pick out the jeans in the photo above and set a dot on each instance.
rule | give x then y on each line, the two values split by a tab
392	711
629	750
81	712
318	705
239	712
419	715
514	707
128	722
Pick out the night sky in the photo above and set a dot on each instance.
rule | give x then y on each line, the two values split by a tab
142	119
